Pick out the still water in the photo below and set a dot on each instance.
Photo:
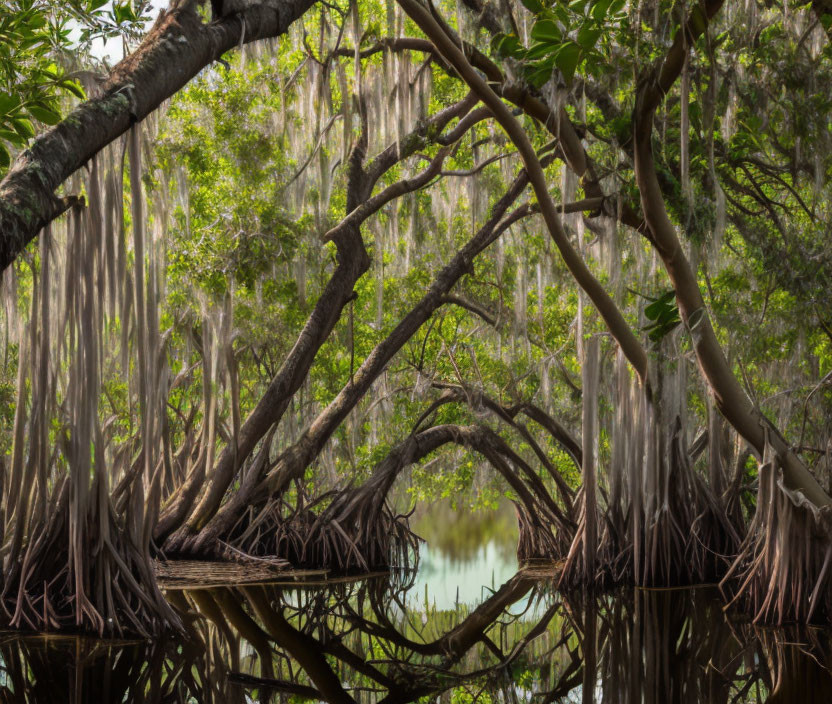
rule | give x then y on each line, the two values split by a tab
465	627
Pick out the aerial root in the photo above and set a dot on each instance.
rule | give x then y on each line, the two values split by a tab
679	535
113	594
781	573
351	530
536	539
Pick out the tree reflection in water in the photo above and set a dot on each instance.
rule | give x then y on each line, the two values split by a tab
358	642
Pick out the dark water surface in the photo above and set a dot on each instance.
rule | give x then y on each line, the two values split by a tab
442	634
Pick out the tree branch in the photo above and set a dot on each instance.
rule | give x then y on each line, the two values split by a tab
730	398
177	47
615	321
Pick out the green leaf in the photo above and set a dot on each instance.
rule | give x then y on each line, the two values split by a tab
567	59
8	103
562	13
12	137
654	310
668	317
5	157
123	13
30	42
599	9
546	31
538	51
44	114
52	71
534	6
74	87
36	21
23	127
508	45
588	35
538	74
659	331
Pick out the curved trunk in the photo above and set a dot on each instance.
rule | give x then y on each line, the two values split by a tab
729	396
294	460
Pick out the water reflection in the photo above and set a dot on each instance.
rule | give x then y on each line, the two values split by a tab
51	669
459	534
466	555
359	642
466	628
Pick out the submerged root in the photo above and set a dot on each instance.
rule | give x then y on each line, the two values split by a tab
536	540
87	578
354	529
359	531
781	573
347	531
679	533
355	532
687	535
796	662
